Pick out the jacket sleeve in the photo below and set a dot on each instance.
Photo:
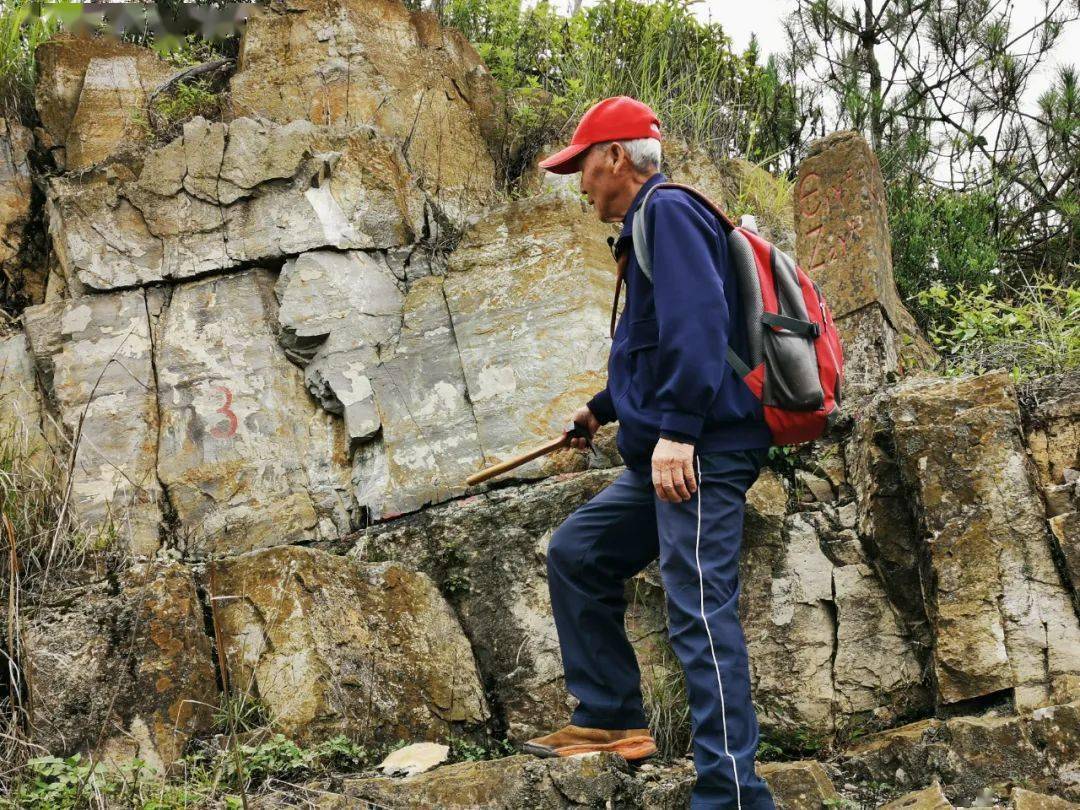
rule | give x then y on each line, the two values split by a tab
689	260
602	407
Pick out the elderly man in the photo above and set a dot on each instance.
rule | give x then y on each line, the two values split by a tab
693	438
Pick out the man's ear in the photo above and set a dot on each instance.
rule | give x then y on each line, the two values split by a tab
617	156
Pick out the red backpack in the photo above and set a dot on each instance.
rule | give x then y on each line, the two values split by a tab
795	364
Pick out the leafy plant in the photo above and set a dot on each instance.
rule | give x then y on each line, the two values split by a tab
1030	330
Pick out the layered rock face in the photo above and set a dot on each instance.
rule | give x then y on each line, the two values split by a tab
273	349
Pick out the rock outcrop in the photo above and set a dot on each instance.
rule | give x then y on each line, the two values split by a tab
373	62
122	670
337	647
272	349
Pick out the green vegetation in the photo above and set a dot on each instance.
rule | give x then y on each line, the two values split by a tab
553	67
1030	330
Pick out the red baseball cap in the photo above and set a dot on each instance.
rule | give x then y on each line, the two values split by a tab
617	118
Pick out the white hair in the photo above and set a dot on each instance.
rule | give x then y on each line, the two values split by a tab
644	153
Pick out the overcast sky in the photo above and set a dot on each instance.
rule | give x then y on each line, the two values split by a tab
762	17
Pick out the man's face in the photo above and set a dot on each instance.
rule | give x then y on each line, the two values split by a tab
606	175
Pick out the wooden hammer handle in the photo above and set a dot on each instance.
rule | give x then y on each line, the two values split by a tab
517	461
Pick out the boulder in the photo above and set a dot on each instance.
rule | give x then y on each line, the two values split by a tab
374	62
1021	799
332	646
487	553
223	195
802	785
929	798
248	458
967	753
121	671
1000	614
95	355
511	782
844	244
89	92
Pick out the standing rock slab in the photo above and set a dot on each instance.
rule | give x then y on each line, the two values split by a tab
332	646
844	245
249	459
221	195
96	357
350	62
1000	615
131	668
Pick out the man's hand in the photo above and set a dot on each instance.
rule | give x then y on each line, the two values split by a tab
583	416
673	471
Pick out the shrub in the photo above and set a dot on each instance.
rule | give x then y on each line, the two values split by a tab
1031	329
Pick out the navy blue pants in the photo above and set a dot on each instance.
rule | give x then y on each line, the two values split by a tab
611	538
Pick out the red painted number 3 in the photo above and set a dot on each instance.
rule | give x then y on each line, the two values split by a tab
223	431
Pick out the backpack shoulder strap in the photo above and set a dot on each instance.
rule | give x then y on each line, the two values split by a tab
641	248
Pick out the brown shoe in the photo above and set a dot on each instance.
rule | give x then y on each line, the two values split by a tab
631	744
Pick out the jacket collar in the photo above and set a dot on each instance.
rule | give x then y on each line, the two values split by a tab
628	220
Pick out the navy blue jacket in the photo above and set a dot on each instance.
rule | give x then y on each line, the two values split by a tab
667	370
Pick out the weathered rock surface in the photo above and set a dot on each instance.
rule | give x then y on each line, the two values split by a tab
529	293
89	91
190	408
482	363
332	646
373	62
222	195
125	673
1000	614
513	782
248	458
845	246
824	642
95	355
967	753
1053	427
